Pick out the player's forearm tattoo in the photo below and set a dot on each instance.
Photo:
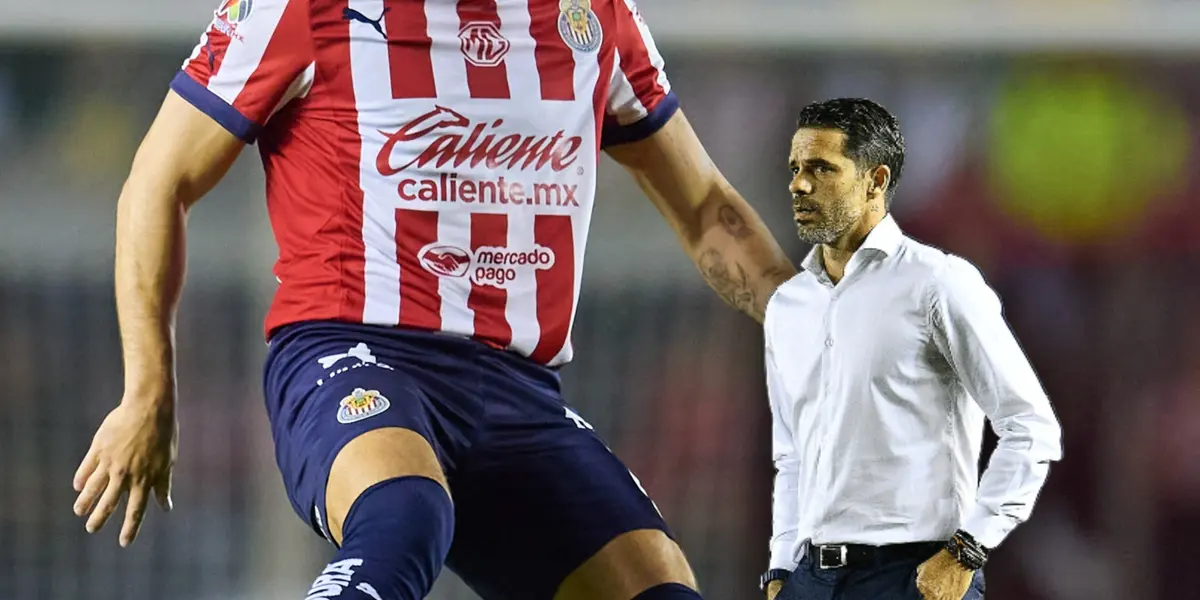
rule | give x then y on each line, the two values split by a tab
732	286
733	223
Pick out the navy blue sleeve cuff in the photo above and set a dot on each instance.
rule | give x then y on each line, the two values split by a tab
614	134
212	105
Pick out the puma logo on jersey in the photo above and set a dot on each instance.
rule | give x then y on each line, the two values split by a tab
350	14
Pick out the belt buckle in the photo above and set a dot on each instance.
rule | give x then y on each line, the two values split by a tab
831	557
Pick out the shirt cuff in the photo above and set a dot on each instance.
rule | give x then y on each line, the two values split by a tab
988	528
613	134
215	107
783	554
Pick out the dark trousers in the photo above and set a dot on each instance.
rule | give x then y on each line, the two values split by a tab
893	579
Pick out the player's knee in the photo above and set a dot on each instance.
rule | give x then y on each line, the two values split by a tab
637	562
397	535
375	456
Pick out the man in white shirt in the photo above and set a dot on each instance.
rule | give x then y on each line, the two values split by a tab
883	357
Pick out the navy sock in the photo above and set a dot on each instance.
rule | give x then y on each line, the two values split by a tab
394	543
669	591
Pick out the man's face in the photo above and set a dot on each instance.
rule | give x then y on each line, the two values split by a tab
829	195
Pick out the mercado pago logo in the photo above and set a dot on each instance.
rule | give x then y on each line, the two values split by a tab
496	266
449	142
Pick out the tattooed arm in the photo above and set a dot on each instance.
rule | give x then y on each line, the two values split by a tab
722	234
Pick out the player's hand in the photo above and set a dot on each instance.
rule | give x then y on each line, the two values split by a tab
773	589
943	578
133	451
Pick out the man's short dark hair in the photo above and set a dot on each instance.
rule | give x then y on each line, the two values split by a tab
873	135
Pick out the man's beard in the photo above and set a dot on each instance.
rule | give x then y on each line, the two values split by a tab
831	223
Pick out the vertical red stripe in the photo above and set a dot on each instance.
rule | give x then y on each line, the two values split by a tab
410	49
333	89
555	61
555	286
607	56
635	58
420	300
483	48
287	54
489	303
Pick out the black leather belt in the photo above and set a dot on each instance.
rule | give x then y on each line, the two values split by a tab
836	556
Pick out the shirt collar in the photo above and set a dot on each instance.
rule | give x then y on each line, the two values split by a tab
885	238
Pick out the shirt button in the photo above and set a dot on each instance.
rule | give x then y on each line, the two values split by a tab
828	342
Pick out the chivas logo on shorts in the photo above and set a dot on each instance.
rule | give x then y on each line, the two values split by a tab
361	404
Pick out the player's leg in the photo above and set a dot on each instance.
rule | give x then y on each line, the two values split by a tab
644	565
547	512
379	455
357	442
389	511
564	520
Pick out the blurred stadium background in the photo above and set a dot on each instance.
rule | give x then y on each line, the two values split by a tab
1050	142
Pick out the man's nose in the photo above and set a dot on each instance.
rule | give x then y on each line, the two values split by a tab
800	186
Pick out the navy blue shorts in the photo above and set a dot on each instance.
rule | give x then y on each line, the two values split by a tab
536	491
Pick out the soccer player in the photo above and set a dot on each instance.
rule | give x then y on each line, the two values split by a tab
431	169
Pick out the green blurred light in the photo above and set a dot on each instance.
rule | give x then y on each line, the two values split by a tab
1079	154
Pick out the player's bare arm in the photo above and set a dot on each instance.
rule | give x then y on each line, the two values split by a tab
182	157
720	231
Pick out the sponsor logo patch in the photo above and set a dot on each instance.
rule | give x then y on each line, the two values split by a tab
445	156
231	14
235	11
495	266
447	261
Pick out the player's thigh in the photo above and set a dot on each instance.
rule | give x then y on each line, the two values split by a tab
556	515
627	566
372	457
337	436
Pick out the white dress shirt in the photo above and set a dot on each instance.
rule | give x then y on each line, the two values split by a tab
879	386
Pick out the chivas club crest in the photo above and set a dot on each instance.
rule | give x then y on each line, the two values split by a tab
578	25
361	404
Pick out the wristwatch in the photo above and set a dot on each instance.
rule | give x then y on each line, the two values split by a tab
967	551
772	575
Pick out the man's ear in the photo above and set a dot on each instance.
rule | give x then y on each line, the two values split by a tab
881	177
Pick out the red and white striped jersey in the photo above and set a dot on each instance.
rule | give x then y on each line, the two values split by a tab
431	163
